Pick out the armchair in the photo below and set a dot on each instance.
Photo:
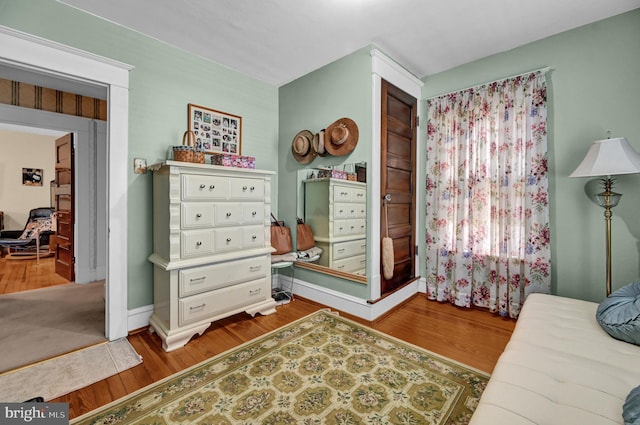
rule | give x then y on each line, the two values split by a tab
36	233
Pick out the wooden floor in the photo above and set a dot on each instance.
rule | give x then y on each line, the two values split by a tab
473	337
23	275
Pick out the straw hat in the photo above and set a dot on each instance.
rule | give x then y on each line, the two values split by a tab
302	148
318	143
341	137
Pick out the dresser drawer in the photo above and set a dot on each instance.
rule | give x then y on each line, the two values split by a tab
207	278
228	214
196	187
214	303
341	210
253	213
196	243
351	264
229	239
349	227
349	194
348	249
194	215
245	188
253	237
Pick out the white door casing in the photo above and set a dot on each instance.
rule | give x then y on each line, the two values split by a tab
22	50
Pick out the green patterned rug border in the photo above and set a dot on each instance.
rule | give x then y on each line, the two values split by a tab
445	391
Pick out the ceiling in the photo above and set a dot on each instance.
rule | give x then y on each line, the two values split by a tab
277	41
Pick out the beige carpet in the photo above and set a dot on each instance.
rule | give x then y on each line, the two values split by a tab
58	376
43	323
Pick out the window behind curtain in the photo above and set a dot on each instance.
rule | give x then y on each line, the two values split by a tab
487	200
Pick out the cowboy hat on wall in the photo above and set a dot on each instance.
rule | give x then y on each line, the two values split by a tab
341	137
302	147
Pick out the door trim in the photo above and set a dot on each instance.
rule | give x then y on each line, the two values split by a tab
382	67
22	50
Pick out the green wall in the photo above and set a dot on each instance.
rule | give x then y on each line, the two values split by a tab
594	87
340	89
164	81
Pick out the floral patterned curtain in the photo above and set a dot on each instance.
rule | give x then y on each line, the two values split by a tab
487	232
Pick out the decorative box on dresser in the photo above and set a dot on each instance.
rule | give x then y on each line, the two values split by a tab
212	247
336	210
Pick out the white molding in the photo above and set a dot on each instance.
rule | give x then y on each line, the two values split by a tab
383	67
391	71
139	317
26	51
350	304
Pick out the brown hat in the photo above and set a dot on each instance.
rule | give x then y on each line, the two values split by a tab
341	137
318	143
302	148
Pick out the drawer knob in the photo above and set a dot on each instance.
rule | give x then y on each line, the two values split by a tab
198	243
254	237
244	187
255	291
254	268
198	215
352	211
228	239
202	186
341	250
197	307
252	188
341	211
228	214
254	213
213	186
195	279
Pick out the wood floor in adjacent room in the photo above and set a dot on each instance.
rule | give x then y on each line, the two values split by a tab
473	337
24	275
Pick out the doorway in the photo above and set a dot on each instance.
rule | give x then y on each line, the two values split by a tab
58	62
398	182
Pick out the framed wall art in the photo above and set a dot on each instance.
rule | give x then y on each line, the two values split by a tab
216	131
32	176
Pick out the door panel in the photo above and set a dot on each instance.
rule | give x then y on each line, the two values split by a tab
64	205
398	158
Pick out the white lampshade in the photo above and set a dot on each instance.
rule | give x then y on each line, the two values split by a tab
609	157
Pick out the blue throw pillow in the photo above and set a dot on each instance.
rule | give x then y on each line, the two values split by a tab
619	314
631	408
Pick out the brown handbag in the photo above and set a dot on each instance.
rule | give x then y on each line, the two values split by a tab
305	239
280	237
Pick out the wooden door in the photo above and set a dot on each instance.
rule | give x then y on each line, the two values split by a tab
398	182
64	206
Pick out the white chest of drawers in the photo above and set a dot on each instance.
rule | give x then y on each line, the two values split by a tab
337	212
211	245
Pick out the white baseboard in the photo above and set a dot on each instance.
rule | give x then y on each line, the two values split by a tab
353	305
139	317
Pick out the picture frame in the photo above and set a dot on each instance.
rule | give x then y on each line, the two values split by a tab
216	131
32	176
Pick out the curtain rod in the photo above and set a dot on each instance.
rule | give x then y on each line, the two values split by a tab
544	70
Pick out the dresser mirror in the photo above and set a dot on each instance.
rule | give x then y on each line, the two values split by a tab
333	201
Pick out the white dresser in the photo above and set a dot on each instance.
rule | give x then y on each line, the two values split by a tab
212	247
337	212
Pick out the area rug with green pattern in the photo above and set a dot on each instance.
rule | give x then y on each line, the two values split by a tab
322	369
